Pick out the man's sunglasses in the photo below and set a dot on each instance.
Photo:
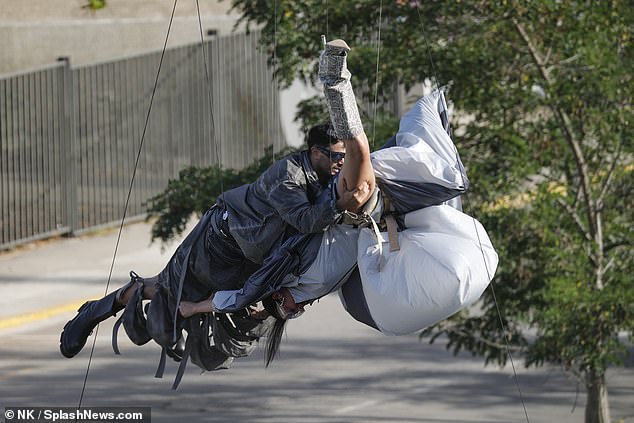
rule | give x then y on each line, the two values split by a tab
333	155
286	315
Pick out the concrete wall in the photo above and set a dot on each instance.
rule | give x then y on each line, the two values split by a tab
37	32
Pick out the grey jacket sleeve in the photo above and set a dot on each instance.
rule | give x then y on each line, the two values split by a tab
293	206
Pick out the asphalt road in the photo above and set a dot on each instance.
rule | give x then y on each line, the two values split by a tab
331	368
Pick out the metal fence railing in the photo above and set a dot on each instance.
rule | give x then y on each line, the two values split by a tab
69	137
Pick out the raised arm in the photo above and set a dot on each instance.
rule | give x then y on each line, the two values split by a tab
357	175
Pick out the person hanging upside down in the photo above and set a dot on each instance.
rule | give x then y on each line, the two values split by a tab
234	237
285	295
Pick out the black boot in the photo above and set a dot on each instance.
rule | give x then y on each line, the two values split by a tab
77	331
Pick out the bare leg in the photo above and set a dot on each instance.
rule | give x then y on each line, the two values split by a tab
189	308
77	330
126	292
357	175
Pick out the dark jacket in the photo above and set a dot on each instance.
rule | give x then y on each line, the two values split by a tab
286	199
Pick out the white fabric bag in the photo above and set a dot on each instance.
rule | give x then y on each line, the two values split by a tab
444	264
424	152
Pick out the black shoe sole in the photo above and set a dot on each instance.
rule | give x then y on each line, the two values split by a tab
66	352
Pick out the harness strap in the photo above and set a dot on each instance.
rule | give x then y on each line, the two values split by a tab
379	240
180	290
161	367
115	332
183	364
198	232
392	232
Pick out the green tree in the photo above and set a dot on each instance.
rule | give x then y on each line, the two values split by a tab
543	90
95	4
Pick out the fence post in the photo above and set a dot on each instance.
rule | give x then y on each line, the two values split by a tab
69	147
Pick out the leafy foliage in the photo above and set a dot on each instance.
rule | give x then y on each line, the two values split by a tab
543	94
95	4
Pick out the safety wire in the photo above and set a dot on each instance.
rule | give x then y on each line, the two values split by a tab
275	110
376	82
327	33
127	201
217	144
376	94
467	203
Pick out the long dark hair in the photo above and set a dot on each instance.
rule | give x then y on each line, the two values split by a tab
274	337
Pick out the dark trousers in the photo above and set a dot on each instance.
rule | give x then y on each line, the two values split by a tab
215	262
